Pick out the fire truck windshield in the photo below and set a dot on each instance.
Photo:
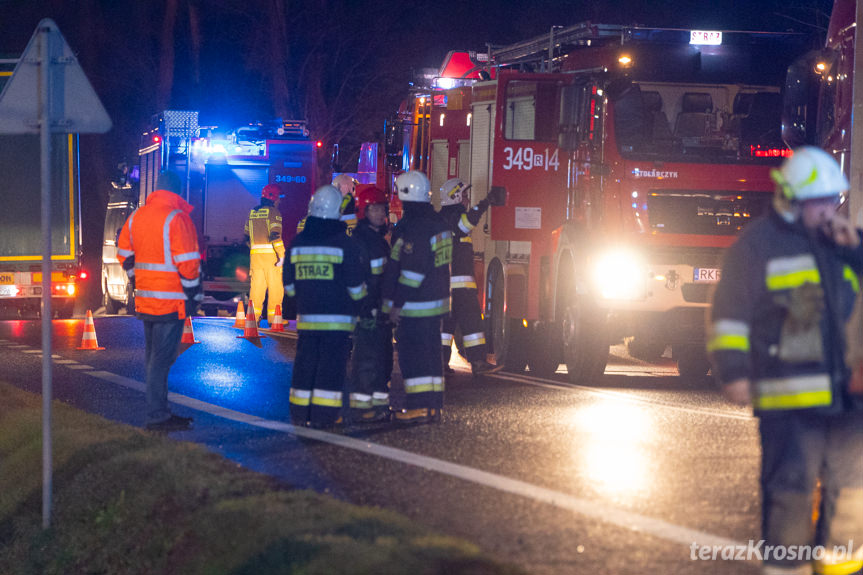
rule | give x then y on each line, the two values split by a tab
698	122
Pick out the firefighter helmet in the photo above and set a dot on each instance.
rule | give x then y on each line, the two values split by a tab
810	174
326	203
452	192
414	186
345	184
368	196
271	192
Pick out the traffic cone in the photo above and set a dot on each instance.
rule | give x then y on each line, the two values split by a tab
251	329
88	341
188	334
277	324
240	320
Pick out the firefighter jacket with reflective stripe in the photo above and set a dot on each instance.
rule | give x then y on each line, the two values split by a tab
775	279
417	276
264	229
377	251
462	222
349	216
162	238
326	272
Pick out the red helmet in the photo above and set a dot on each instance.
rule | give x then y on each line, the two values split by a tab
367	196
271	192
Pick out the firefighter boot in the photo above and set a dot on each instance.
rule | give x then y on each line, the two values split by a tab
483	367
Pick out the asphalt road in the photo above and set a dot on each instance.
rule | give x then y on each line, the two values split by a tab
619	477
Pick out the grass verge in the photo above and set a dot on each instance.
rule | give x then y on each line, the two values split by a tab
128	502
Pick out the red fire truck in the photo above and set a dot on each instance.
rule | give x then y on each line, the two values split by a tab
223	173
632	158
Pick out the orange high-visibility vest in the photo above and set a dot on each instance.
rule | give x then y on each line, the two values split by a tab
164	242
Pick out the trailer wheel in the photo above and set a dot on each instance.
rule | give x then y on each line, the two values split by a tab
508	335
545	349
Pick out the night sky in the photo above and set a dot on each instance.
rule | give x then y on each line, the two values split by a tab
344	66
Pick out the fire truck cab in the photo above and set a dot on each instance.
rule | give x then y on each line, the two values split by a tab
632	158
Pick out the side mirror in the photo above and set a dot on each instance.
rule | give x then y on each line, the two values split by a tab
568	136
803	84
335	164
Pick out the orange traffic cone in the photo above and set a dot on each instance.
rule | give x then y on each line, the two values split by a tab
277	324
188	334
240	320
88	341
251	328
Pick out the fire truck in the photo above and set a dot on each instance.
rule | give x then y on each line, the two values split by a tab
632	157
223	172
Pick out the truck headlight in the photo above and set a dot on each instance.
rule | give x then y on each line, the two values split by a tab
620	274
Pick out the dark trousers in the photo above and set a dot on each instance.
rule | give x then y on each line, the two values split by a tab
798	448
371	366
160	352
420	362
466	316
318	378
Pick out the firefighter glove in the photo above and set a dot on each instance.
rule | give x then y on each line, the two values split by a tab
497	196
281	262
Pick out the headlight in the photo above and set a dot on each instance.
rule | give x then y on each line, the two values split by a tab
620	274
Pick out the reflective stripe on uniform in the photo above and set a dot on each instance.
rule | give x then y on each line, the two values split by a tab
325	322
377	266
326	398
443	238
851	277
380	398
446	339
358	292
791	272
190	283
387	305
125	253
423	384
456	282
794	392
360	401
261	249
425	308
412	279
290	290
160	294
187	256
396	251
464	224
729	334
300	396
317	254
466	240
474	339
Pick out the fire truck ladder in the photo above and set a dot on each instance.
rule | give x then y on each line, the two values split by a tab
542	48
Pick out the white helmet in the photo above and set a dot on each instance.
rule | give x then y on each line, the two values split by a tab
414	186
326	203
452	192
345	184
809	174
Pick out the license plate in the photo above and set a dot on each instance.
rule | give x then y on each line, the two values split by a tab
706	275
8	291
7	279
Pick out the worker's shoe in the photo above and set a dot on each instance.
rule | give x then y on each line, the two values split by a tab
483	367
173	423
412	416
327	424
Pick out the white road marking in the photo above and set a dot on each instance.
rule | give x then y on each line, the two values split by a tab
620	395
39	351
589	508
65	361
79	366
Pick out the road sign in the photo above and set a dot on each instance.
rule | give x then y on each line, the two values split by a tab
72	104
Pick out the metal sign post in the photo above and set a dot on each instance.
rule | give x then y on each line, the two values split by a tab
49	94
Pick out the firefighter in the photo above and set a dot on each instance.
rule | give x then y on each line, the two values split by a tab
266	252
372	357
416	296
158	247
347	186
465	305
777	341
326	276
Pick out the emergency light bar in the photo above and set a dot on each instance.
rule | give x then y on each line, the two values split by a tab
705	37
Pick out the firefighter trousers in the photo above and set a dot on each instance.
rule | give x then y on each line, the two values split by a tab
371	366
798	448
318	378
465	315
418	341
267	284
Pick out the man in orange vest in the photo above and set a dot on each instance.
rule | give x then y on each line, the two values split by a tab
158	246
